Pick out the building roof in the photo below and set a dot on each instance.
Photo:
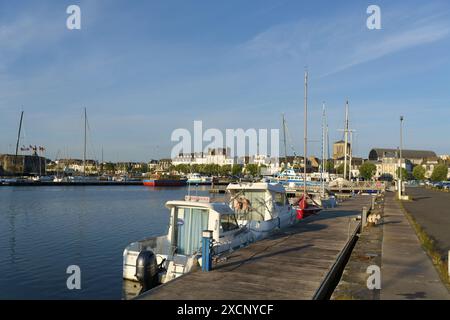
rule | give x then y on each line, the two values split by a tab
379	153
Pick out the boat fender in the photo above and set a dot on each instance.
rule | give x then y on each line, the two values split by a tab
147	269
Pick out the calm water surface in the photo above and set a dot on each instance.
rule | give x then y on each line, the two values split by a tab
43	230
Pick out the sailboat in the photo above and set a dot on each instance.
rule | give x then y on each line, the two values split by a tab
306	205
289	177
325	199
84	177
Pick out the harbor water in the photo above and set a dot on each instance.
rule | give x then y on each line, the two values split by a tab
44	230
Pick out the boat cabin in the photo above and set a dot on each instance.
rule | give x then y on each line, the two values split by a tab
189	218
257	201
178	251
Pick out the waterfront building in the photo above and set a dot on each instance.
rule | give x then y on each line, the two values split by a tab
387	160
297	162
77	165
129	166
219	156
164	164
152	165
26	165
415	156
429	164
388	166
356	162
269	165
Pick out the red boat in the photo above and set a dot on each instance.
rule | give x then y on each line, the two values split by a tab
306	208
161	181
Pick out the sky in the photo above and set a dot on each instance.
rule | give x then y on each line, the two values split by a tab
145	68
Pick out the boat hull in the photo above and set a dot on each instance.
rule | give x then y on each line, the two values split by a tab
199	182
164	183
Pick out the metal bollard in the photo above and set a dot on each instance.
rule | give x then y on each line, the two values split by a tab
207	236
372	206
363	218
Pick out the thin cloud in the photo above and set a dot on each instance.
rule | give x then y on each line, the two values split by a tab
394	43
337	44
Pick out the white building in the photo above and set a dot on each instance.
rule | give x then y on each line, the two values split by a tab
214	156
270	166
389	166
387	160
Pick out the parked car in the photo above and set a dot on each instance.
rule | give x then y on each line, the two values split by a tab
446	185
437	185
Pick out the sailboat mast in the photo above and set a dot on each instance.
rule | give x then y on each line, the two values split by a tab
328	144
18	134
345	140
323	149
305	134
350	155
284	140
101	166
84	153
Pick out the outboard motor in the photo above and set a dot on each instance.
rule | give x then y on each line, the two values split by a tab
147	269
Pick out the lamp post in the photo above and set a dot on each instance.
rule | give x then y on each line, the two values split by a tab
400	183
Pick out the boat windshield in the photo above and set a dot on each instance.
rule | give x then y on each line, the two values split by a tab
280	199
250	205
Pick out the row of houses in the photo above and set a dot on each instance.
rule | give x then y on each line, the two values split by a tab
75	166
387	161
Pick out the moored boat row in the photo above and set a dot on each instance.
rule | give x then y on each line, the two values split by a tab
177	181
251	212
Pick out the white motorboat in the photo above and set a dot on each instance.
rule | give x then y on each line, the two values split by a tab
58	179
42	178
167	257
262	207
196	178
289	175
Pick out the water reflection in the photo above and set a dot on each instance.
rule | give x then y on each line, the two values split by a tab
43	230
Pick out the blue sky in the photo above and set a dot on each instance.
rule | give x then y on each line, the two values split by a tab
145	68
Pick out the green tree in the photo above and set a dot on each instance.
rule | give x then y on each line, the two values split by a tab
440	173
211	169
405	174
236	170
340	169
367	170
252	169
225	170
109	167
183	168
329	166
143	168
195	168
419	173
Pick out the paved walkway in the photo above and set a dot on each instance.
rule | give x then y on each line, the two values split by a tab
406	270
